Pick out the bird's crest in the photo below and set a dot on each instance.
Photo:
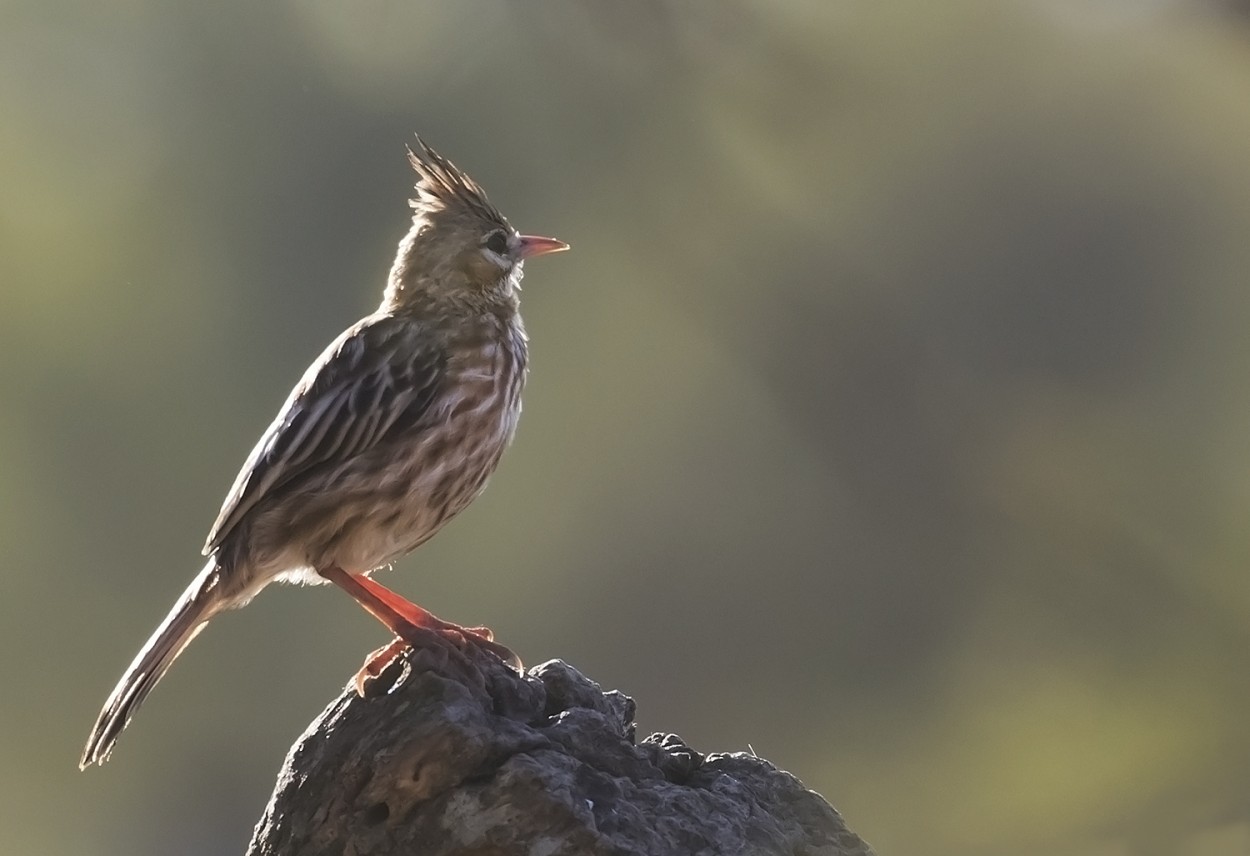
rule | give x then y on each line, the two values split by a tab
441	186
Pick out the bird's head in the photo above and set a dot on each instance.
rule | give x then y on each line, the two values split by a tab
460	253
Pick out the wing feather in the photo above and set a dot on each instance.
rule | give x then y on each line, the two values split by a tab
376	379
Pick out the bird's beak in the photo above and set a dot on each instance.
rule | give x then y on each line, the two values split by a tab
532	245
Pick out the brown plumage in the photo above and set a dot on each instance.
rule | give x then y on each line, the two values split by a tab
391	432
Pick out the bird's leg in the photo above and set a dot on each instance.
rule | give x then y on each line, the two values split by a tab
407	621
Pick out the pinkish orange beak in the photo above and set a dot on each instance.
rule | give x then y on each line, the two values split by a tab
533	245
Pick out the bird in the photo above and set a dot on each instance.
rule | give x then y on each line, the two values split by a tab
391	432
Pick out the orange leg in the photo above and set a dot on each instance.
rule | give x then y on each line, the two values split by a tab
407	621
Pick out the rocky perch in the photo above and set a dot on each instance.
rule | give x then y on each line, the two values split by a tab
453	753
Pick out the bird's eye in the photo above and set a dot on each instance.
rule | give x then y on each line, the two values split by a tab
497	243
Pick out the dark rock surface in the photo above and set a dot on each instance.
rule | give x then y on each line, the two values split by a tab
453	753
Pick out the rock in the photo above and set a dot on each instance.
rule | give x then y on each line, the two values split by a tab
453	753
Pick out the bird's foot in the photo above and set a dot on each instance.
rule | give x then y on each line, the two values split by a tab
422	638
377	663
479	637
413	625
418	624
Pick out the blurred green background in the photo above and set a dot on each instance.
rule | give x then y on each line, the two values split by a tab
890	415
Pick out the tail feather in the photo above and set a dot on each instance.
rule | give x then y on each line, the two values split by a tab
200	602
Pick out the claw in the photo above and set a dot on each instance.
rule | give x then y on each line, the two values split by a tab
377	662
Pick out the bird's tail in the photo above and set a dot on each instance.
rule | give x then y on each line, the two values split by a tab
200	602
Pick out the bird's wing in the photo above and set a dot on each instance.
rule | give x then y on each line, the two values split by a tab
376	379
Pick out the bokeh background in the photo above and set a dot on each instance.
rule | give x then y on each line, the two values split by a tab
890	416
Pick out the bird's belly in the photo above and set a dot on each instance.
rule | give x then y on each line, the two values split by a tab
361	522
